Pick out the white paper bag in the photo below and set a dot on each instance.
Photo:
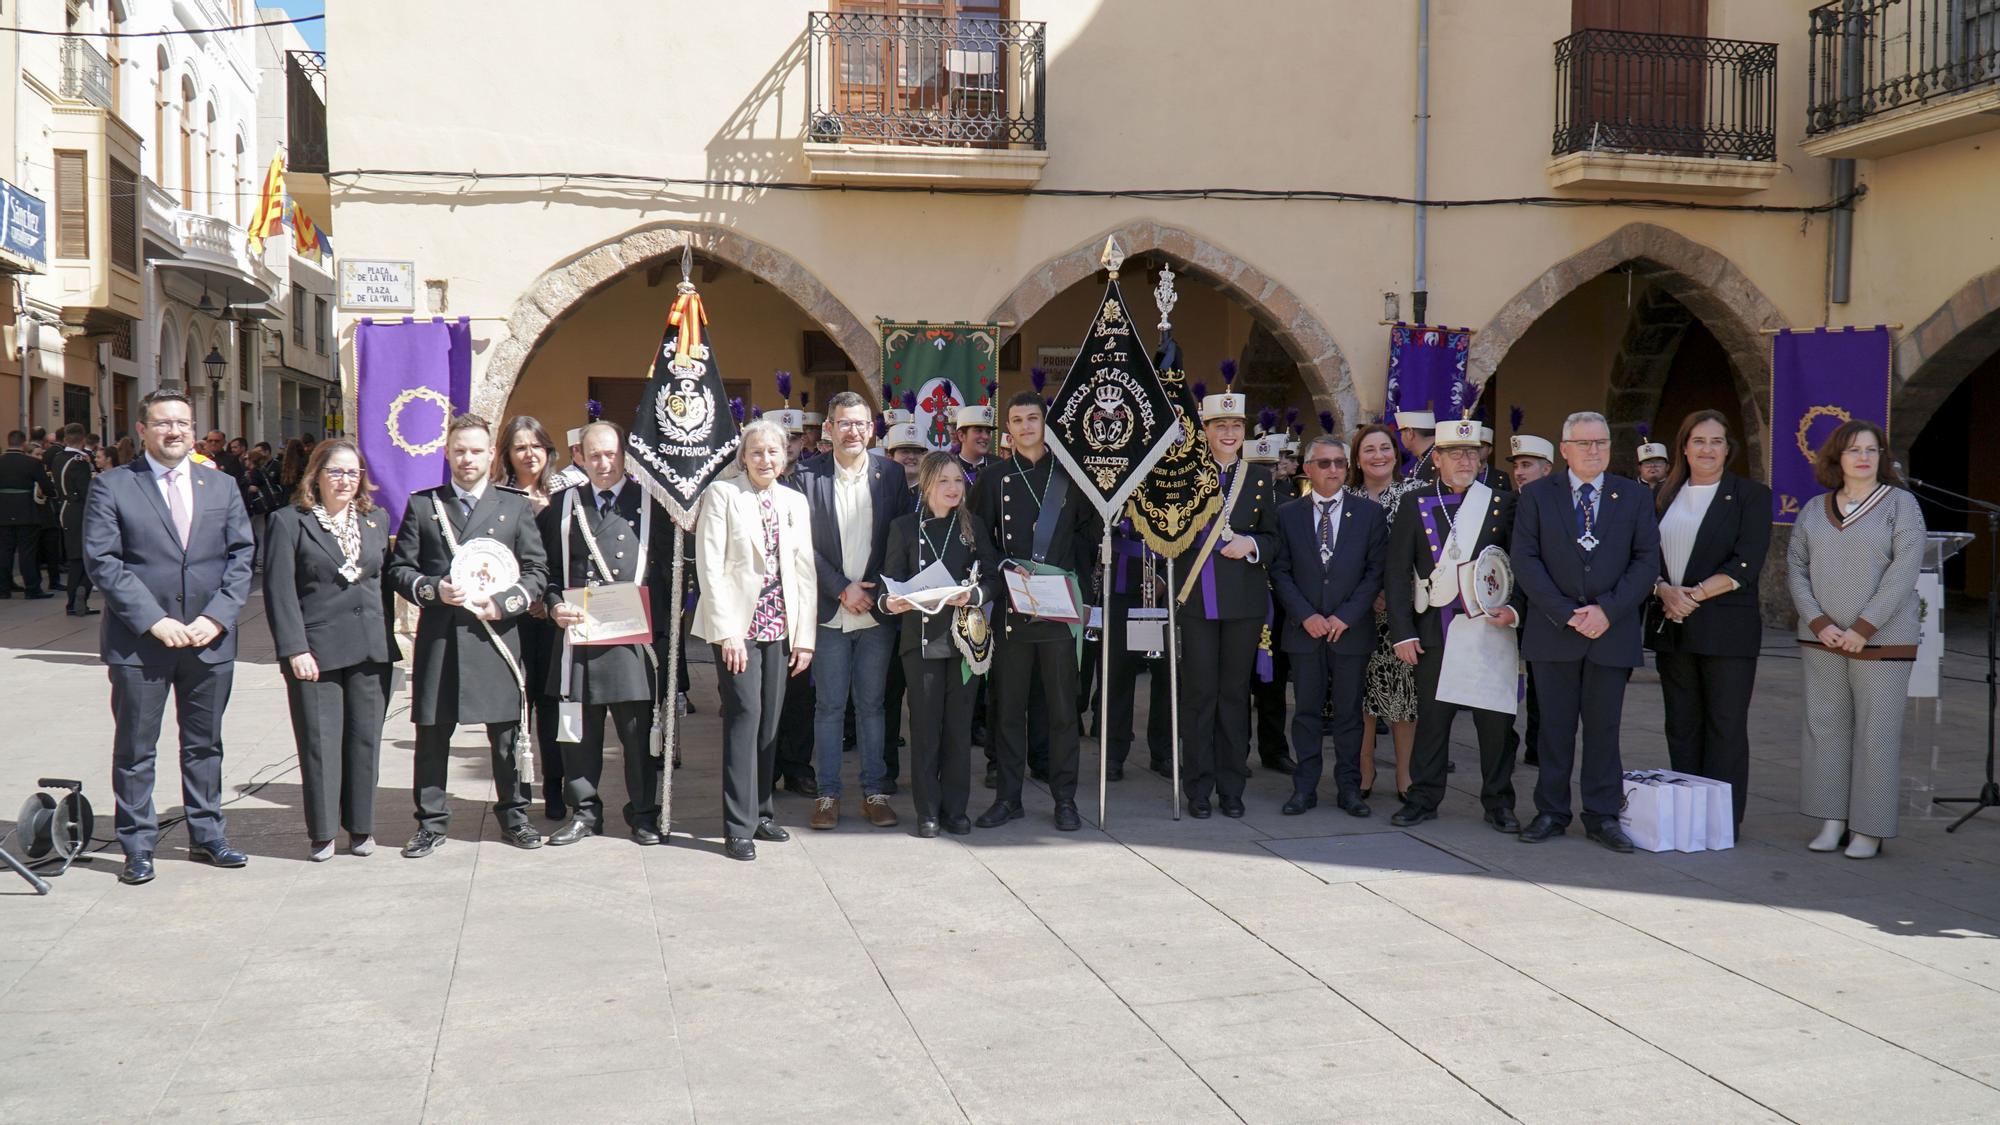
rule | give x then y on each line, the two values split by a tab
1648	815
569	722
1690	815
1721	807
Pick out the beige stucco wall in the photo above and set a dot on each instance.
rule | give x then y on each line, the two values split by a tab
1282	93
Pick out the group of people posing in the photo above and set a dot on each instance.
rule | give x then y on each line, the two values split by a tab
1347	585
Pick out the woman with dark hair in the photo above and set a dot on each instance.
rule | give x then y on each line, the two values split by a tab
1855	553
1703	624
124	451
526	460
1375	473
291	469
331	619
942	682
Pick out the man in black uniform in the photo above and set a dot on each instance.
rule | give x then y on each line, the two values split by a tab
1034	513
468	654
72	473
1432	531
1416	429
24	480
593	536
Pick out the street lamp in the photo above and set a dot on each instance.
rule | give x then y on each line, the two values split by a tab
215	364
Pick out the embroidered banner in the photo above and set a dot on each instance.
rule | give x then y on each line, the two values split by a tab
1182	491
1820	379
1427	370
406	391
684	434
943	365
1111	419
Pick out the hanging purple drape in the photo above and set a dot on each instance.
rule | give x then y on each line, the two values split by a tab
404	375
1427	370
1820	379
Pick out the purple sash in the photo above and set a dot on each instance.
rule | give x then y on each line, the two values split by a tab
1436	533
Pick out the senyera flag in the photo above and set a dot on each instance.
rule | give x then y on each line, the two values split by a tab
1820	379
684	434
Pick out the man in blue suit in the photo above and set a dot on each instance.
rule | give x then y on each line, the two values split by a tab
168	542
854	497
1326	575
1586	553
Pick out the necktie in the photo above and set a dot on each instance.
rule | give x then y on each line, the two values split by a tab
464	504
1583	516
1326	531
604	501
177	506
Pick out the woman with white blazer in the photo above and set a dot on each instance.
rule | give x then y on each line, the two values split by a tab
754	556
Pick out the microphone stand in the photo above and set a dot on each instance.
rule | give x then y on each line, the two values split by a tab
1989	794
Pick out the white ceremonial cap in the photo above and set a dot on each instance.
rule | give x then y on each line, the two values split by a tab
1229	404
896	416
1653	451
1264	450
1461	431
814	418
576	436
1416	420
1528	445
973	416
1291	445
903	435
1486	435
793	420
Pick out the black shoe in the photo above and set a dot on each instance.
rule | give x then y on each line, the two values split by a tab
138	869
1114	771
1503	820
1450	766
1299	803
736	847
992	777
1611	834
1198	808
1353	805
771	830
577	829
521	836
6	595
999	814
218	854
86	611
39	595
800	786
1164	769
423	843
1281	763
927	829
958	825
1067	819
1367	792
647	835
1541	828
1411	814
1231	807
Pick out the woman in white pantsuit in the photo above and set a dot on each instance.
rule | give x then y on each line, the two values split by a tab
1854	559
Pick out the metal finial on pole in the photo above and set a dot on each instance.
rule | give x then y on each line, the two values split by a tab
687	268
1113	256
1165	297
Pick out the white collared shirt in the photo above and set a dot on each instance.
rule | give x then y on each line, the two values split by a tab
854	511
1596	484
184	484
473	496
1330	505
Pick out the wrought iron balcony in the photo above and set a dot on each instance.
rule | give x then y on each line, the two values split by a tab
86	73
1666	95
1868	57
923	80
305	111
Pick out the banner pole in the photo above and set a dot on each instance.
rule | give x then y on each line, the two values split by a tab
1104	674
1174	686
669	750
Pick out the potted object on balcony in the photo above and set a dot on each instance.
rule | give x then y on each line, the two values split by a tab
826	129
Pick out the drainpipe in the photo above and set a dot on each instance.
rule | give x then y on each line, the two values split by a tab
1851	46
1420	295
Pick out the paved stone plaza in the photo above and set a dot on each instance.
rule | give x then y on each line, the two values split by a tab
1269	969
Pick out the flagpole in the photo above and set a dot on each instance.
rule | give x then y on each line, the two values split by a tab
1104	673
1174	685
668	751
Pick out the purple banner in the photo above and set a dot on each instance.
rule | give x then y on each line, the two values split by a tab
403	375
460	333
1427	370
1820	379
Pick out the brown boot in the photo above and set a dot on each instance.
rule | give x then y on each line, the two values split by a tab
876	808
825	814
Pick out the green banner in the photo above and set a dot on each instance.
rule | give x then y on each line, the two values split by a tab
933	369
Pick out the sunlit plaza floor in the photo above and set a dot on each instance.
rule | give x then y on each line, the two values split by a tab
1265	969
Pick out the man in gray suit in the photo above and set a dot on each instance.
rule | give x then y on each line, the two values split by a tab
168	542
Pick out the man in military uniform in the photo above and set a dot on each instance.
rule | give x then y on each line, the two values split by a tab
1416	429
605	525
468	665
1267	697
1499	480
1653	464
24	482
72	474
1435	529
1035	513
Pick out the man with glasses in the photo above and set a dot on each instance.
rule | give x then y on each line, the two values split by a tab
1440	526
168	542
1586	554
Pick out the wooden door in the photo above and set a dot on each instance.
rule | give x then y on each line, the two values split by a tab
922	71
1645	96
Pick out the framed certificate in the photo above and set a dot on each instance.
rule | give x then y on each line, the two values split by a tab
616	613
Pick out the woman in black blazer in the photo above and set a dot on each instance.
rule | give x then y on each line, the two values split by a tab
941	686
1703	623
330	616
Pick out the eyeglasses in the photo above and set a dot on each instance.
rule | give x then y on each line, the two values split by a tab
853	424
1460	452
170	425
342	474
1326	463
1591	444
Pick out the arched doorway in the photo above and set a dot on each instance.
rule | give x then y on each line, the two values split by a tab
1646	327
600	315
1947	383
1228	310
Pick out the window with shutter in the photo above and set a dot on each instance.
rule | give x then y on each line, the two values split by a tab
72	205
123	205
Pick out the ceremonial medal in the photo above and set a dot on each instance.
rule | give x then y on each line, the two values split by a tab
1588	541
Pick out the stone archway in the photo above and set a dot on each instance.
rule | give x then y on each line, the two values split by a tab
564	287
1698	278
1322	366
1932	360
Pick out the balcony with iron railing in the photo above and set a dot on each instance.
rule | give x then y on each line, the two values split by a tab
925	99
1685	112
86	73
305	112
1888	76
